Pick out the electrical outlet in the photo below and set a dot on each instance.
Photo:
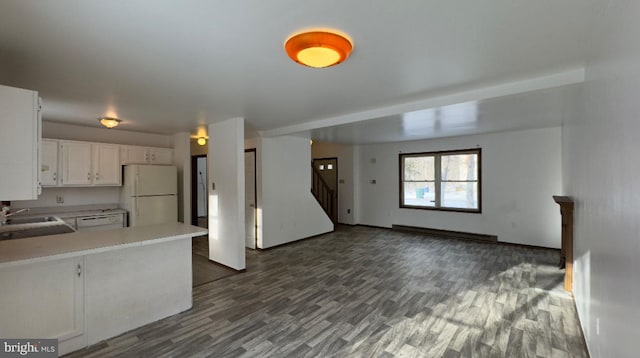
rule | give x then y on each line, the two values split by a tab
60	199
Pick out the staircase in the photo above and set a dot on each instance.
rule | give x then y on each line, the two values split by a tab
324	194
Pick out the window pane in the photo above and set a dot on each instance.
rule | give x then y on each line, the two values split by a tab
463	195
419	194
419	168
460	167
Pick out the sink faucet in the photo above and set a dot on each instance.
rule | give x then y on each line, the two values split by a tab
5	213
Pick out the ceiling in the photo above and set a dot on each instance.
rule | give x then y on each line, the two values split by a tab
166	66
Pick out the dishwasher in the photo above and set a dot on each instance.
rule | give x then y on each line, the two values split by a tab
100	222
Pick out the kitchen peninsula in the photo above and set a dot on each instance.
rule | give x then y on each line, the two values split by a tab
85	287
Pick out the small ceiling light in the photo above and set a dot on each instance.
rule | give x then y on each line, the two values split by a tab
110	122
202	141
318	48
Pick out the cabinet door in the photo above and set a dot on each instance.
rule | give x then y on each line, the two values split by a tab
135	155
161	155
76	163
106	164
43	299
49	162
20	137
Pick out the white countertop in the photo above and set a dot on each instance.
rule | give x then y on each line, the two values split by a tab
45	248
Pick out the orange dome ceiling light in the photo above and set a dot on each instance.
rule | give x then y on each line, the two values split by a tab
318	48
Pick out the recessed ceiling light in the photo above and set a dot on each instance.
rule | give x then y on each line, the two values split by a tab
202	141
109	122
318	48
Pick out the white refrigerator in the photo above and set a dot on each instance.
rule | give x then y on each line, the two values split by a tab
149	194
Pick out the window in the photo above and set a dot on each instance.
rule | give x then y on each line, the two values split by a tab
441	180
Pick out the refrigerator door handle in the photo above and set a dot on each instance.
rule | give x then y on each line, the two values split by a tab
136	184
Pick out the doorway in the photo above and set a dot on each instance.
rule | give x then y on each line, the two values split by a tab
250	195
328	169
199	192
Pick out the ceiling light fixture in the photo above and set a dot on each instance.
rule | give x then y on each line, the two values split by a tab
110	122
202	141
318	48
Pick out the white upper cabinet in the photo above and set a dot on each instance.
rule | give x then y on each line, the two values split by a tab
20	137
106	164
133	154
85	164
161	155
49	162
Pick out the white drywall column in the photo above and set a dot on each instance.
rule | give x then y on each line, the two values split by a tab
226	193
600	156
182	160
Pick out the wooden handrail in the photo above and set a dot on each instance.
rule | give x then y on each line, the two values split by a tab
323	194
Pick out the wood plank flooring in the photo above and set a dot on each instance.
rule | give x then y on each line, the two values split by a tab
366	292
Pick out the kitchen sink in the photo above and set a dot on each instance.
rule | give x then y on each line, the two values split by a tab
40	219
39	231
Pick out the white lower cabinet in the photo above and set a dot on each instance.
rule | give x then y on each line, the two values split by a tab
44	300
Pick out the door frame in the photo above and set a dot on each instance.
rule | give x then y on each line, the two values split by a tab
337	184
194	188
255	193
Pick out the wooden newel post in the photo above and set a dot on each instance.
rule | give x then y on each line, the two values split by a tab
566	251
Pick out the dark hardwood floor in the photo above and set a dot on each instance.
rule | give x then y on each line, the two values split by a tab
366	292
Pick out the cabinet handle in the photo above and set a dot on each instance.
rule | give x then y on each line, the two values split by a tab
55	176
88	176
79	270
153	157
97	176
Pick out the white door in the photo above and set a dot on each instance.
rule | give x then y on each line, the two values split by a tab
49	162
250	198
150	210
76	163
106	164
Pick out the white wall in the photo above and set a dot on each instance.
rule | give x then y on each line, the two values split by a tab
226	201
287	209
94	134
602	171
72	197
346	198
520	174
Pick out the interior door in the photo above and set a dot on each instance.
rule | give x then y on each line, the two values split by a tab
250	197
